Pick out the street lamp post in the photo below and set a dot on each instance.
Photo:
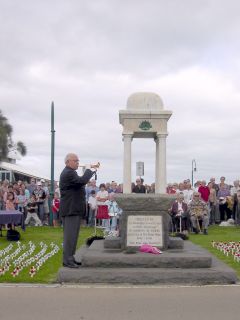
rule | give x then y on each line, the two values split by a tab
194	168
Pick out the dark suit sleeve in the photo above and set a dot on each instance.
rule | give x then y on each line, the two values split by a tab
75	180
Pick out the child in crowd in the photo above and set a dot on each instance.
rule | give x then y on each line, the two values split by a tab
32	209
114	212
92	201
10	202
55	209
21	200
10	205
102	197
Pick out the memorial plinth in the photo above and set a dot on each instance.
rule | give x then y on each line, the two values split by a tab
145	220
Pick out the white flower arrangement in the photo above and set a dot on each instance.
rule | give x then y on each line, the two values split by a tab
26	258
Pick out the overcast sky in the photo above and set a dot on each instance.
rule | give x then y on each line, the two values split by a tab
89	56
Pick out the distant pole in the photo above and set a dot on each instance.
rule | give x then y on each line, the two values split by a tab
194	168
52	160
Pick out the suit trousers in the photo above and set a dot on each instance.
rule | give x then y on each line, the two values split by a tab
71	227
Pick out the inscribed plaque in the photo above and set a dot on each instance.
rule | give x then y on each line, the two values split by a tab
144	230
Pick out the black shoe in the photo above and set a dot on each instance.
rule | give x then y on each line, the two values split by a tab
78	262
205	231
71	265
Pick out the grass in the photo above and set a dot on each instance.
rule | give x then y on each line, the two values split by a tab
48	271
220	234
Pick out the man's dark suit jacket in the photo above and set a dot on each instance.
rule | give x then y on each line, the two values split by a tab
72	189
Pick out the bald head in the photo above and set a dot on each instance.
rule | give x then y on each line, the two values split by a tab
72	161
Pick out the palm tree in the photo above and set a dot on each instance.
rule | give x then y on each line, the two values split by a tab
6	143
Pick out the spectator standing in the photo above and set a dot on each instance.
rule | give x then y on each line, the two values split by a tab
180	187
55	209
204	191
5	195
21	200
222	183
214	184
170	189
32	209
222	195
45	202
40	196
212	202
188	193
114	212
92	201
92	185
102	197
32	186
233	191
1	198
114	188
10	201
139	187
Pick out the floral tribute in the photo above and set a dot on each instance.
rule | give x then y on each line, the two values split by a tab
229	249
25	256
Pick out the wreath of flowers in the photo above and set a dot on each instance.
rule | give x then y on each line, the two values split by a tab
26	258
228	248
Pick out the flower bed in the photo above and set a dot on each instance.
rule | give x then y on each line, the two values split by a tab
15	258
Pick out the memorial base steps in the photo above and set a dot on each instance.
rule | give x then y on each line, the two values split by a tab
189	266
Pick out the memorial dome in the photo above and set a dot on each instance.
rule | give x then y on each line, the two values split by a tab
147	101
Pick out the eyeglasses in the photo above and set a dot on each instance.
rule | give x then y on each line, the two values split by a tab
196	196
74	160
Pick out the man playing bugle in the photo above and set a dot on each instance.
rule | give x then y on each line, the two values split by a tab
72	205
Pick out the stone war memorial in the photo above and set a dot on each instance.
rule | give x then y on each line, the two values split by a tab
145	220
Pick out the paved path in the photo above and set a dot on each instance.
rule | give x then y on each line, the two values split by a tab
119	303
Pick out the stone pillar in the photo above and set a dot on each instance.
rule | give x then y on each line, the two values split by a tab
161	177
127	174
156	166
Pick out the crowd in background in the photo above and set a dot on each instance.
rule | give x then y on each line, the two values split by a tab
33	199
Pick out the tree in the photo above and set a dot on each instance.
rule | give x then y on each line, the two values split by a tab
6	142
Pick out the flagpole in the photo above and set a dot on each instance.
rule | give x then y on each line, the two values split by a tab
52	161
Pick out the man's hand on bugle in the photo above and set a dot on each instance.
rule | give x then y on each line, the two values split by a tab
95	166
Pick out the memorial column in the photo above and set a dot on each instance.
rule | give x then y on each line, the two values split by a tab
161	177
157	165
127	174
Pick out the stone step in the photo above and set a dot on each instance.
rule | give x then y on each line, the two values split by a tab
150	276
218	273
96	256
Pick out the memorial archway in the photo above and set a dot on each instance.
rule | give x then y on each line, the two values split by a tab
145	117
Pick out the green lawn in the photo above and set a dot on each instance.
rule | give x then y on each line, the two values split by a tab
48	271
220	234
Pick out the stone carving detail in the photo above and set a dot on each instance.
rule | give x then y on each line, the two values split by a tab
145	125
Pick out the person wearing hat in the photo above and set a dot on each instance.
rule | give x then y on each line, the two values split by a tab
72	205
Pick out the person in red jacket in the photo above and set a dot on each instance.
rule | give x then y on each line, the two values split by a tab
204	191
55	209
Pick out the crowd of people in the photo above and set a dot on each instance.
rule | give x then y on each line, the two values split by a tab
205	202
32	199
